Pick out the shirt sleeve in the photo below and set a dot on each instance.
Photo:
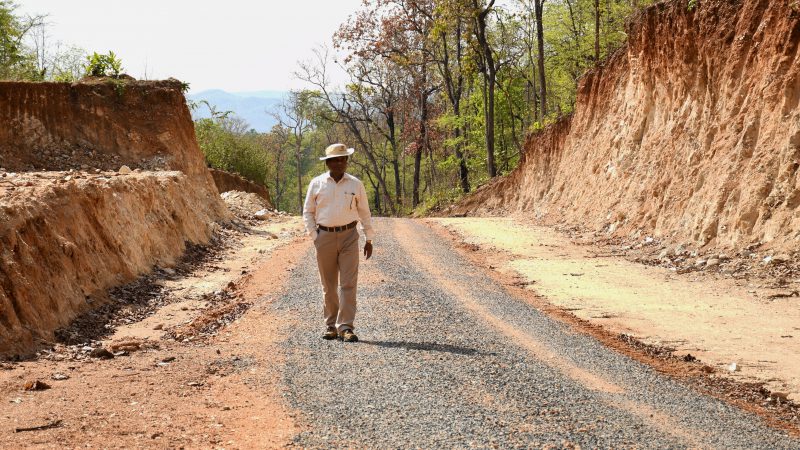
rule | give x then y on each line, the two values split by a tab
363	212
310	211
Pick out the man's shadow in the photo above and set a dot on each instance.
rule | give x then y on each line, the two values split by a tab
424	346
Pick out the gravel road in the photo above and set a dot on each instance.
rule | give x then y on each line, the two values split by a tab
448	358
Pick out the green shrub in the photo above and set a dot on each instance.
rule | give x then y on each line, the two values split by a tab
98	65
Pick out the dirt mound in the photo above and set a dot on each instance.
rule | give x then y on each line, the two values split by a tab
690	134
247	206
227	181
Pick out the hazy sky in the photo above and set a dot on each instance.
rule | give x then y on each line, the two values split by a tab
234	45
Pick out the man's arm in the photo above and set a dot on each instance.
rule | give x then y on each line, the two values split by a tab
366	219
363	212
309	211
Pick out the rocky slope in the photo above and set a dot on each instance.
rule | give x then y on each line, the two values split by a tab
100	181
691	133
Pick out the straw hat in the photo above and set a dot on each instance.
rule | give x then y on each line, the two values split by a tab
337	150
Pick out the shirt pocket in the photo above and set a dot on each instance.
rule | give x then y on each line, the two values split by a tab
351	200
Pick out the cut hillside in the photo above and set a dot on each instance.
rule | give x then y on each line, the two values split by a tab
690	134
100	181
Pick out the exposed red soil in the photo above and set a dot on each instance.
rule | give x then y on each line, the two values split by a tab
690	134
100	181
206	388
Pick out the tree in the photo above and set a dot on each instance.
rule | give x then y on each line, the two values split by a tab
295	114
538	7
17	62
488	68
449	33
344	109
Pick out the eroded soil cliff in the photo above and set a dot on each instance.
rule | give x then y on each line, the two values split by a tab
690	134
99	182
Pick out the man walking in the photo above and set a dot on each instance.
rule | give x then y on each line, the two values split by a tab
335	202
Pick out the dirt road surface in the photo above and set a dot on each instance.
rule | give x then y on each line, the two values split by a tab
449	357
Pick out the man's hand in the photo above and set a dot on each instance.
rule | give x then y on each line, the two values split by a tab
368	249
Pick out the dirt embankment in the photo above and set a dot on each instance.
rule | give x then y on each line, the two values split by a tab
690	134
73	221
227	181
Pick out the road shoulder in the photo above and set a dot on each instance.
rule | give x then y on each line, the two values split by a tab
691	326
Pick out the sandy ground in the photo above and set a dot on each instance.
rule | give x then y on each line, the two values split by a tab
721	322
199	391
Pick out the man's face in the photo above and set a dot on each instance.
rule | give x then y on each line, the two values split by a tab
337	166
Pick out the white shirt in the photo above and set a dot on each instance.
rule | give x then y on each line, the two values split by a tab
335	204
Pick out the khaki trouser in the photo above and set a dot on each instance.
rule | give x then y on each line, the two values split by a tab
337	259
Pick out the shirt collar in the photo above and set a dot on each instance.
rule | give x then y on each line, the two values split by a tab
346	176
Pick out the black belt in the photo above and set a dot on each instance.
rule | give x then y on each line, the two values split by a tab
338	229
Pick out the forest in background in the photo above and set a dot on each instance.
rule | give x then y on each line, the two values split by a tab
440	98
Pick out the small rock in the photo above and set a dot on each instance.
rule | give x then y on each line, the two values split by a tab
36	385
67	178
648	240
169	271
101	353
159	327
663	254
700	263
261	214
767	260
124	170
60	377
231	285
783	396
733	367
126	346
782	258
713	262
168	359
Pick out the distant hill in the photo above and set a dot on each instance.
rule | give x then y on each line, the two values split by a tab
253	106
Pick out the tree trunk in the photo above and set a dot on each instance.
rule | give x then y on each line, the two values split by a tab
596	31
539	4
454	89
415	191
299	178
490	75
490	126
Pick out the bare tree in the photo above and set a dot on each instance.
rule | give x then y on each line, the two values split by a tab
347	112
294	114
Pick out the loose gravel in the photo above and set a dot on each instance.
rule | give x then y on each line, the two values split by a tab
431	372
